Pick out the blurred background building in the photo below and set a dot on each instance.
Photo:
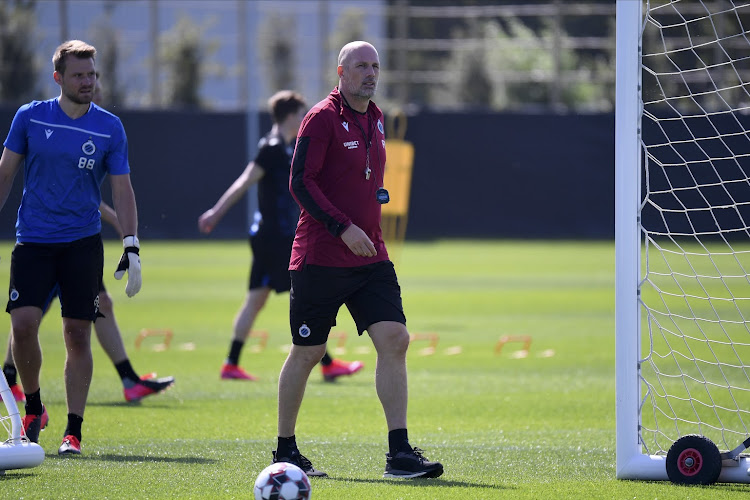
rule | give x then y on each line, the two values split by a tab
531	55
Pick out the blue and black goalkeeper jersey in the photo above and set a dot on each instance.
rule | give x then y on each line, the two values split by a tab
66	161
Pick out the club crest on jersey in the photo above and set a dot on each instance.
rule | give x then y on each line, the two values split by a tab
88	147
304	331
345	125
380	127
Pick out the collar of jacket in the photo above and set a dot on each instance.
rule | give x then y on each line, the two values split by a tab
338	97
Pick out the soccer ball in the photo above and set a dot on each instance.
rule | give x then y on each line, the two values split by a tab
282	481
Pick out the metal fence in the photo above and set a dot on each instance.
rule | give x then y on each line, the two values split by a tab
563	60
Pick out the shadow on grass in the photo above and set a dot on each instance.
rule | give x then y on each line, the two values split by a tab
15	475
357	381
108	457
421	483
731	487
130	404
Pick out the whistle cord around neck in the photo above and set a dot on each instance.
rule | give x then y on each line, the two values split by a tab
368	139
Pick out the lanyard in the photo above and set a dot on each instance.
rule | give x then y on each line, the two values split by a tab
381	194
368	140
368	144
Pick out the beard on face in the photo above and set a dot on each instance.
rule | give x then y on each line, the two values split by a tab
74	97
368	92
361	91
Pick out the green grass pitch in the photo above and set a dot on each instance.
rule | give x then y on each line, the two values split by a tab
504	426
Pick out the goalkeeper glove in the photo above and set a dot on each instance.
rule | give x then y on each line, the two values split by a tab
130	262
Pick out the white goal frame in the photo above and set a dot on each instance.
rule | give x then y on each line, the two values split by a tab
632	462
15	452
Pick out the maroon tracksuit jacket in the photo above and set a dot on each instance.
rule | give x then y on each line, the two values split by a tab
329	182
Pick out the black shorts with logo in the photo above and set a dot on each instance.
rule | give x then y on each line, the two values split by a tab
36	269
371	293
270	267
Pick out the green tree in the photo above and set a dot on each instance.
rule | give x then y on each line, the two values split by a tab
277	51
350	27
18	66
469	83
185	56
107	41
513	66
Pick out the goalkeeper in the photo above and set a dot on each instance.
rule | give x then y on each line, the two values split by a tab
134	387
67	146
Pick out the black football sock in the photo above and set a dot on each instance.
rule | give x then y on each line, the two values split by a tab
327	359
286	446
34	403
127	374
234	352
74	426
10	374
398	440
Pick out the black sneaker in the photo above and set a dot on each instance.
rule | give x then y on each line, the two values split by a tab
32	424
411	464
300	461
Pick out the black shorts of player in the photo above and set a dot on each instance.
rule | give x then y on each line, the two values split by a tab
37	268
371	293
55	293
270	267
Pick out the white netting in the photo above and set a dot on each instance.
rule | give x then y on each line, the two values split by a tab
695	221
8	411
15	451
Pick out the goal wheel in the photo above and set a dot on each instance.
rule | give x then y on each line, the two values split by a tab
693	459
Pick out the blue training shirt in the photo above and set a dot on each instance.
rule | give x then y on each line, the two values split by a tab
66	161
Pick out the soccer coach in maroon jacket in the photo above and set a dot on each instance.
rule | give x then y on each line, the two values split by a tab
339	257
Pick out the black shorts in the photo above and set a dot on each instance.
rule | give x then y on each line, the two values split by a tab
270	267
36	269
55	294
371	293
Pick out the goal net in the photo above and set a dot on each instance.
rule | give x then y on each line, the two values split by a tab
15	451
683	230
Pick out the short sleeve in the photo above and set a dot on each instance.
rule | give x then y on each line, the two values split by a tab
265	156
271	155
17	135
117	158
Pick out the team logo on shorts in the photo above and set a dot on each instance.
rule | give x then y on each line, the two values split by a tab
14	295
304	331
89	147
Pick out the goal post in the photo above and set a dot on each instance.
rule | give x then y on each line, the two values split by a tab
630	460
682	240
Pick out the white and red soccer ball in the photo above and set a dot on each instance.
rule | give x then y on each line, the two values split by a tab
282	481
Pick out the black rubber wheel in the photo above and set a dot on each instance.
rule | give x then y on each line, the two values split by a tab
693	459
